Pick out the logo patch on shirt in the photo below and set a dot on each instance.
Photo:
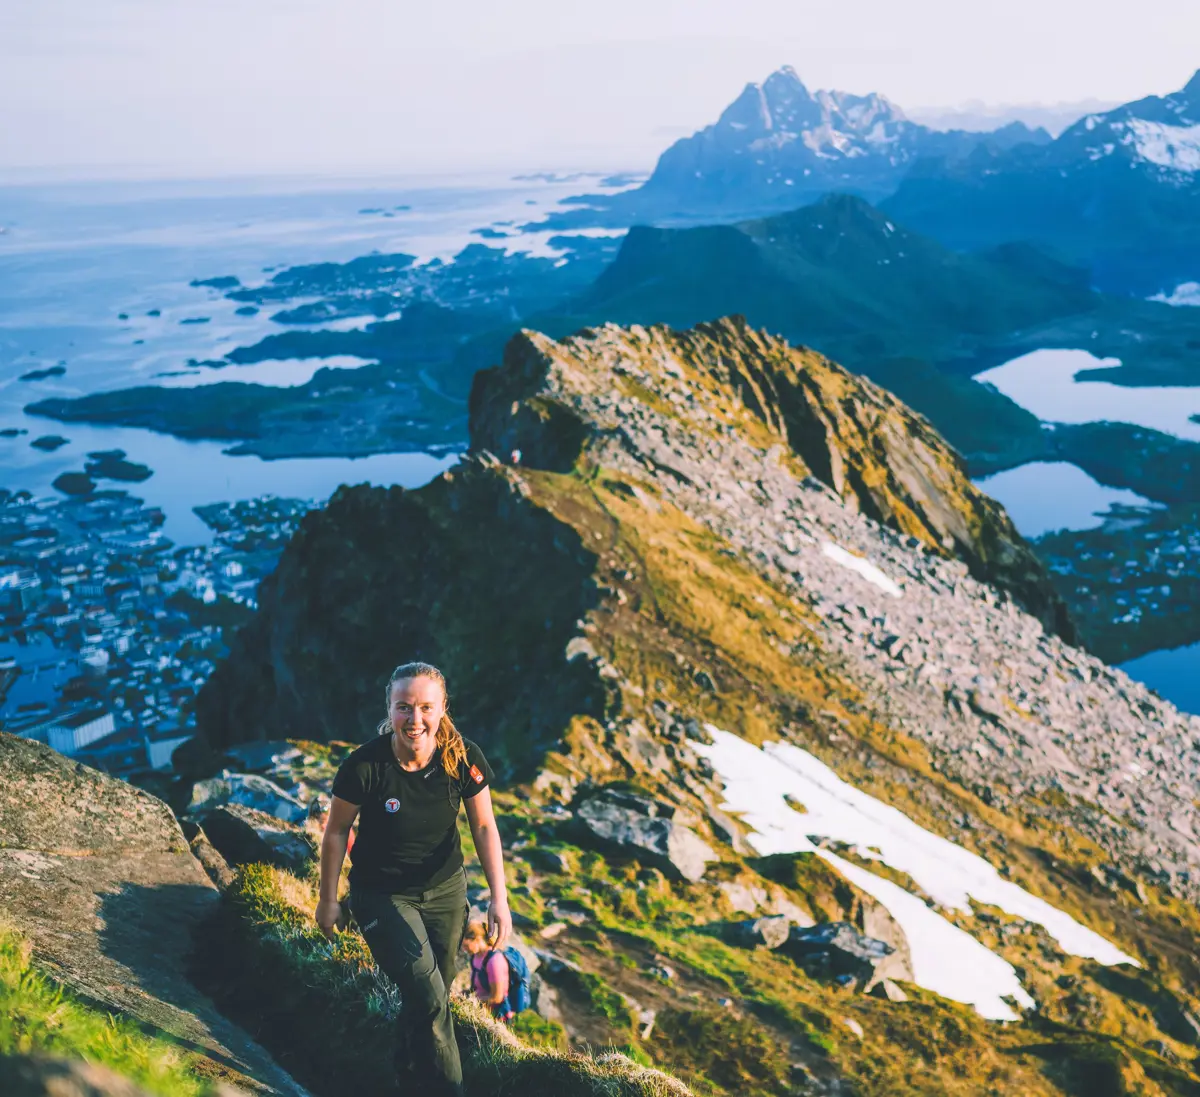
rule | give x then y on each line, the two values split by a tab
476	775
392	806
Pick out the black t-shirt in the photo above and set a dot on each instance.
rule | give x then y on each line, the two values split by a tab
408	819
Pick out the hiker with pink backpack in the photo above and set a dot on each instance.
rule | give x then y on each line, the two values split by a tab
499	977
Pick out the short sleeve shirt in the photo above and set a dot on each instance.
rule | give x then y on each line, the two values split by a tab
408	819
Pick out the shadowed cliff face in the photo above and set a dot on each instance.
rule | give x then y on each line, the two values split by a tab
876	454
464	574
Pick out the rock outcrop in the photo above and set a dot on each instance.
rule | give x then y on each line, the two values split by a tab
242	836
876	455
839	950
647	827
97	875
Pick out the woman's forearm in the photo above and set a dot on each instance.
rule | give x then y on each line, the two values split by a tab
333	853
491	857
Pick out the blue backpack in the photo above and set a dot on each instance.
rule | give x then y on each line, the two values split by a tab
519	996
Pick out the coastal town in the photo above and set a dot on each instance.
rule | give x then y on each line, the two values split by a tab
108	630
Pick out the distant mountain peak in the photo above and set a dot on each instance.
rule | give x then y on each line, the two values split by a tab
1191	90
779	144
784	77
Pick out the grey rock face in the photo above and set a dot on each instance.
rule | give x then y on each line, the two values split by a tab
250	790
98	877
647	826
243	835
1005	707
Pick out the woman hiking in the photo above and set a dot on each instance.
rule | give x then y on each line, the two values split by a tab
408	890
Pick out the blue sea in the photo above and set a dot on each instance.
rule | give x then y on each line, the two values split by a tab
96	278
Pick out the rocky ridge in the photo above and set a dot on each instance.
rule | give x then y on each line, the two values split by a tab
1007	707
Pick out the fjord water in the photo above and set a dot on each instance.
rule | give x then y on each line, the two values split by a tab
1043	497
84	266
1044	383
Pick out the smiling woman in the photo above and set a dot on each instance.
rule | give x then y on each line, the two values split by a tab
408	891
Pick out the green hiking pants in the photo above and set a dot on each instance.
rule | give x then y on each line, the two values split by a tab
414	939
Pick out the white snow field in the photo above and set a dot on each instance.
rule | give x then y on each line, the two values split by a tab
946	959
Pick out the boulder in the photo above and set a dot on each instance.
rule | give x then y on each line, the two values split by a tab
771	932
644	826
243	835
838	950
876	921
548	860
250	790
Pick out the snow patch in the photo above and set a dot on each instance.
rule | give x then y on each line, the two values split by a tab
1174	147
946	959
1186	293
864	568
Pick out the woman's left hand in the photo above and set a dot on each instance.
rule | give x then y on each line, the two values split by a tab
499	923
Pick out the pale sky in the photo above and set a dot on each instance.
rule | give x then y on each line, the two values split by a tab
214	87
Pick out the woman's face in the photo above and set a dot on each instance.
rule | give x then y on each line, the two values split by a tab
416	710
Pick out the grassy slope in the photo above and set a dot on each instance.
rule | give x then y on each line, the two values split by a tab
693	601
690	608
38	1016
332	1015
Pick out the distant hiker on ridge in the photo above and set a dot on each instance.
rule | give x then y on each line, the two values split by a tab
408	890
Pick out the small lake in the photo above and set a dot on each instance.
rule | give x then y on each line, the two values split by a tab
1174	674
1043	382
1045	496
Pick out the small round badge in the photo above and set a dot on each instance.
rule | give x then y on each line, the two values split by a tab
392	805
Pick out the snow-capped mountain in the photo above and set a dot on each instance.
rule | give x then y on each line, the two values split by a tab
778	146
778	143
1160	133
1119	192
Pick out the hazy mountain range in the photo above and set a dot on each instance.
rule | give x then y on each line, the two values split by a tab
1116	192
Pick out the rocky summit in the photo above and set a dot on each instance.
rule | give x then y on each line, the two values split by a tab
804	785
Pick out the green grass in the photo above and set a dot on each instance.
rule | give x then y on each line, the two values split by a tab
326	1013
38	1016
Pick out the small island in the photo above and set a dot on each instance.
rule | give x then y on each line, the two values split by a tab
111	465
48	443
74	483
42	374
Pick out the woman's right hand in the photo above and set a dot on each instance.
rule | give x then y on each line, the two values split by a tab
329	917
